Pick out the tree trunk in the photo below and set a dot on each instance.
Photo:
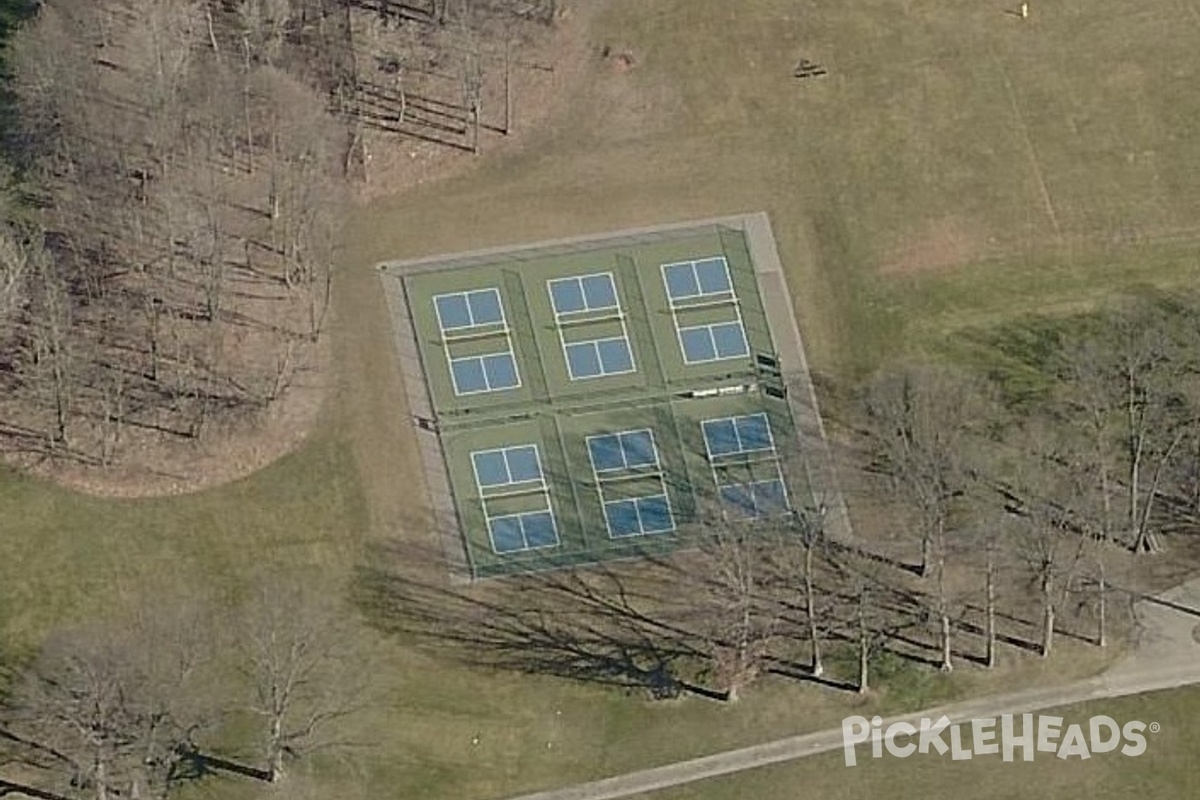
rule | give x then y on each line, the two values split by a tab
947	654
864	645
507	84
212	35
101	778
1102	606
1147	540
817	668
475	128
1105	500
214	267
275	750
1047	617
60	399
52	349
943	613
741	662
1136	444
246	108
319	306
154	331
990	623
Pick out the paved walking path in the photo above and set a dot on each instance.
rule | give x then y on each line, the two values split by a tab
1166	655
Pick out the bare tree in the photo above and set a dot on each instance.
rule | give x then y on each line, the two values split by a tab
1101	593
298	654
741	624
1049	538
919	421
110	710
990	605
864	634
50	347
795	549
472	90
868	624
50	79
1092	405
302	197
160	54
264	24
14	276
1148	362
113	404
811	535
1042	545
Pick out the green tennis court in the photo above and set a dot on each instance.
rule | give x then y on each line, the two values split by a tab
596	399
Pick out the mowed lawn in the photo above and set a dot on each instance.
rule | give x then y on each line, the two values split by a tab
1165	770
956	168
955	163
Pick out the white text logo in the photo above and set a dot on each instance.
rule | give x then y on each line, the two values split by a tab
1004	736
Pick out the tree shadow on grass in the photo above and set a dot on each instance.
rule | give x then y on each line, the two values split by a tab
1009	639
589	626
801	672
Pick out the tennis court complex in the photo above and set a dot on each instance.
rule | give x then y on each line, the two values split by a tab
598	398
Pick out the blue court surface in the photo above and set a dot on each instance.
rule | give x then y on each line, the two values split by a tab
639	516
585	293
745	434
713	342
598	357
469	309
628	450
697	279
507	466
485	373
528	531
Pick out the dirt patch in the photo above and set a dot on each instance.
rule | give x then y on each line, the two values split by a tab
944	243
621	60
542	84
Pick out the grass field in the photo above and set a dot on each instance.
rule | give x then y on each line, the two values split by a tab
1165	770
955	164
957	168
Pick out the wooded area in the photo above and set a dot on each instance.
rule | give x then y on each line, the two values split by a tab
178	173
